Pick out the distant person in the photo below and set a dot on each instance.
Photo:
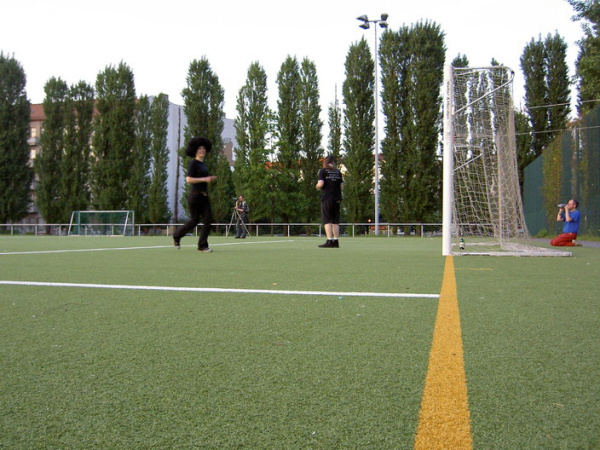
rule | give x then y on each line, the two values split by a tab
242	209
198	201
570	216
330	183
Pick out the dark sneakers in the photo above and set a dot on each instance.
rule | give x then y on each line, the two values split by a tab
176	242
330	243
205	250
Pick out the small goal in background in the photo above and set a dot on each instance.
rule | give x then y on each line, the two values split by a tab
102	223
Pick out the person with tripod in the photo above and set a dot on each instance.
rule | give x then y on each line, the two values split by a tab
241	212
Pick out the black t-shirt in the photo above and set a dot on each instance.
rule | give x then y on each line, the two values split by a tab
197	169
332	189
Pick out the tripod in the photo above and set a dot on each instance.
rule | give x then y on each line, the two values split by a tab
235	217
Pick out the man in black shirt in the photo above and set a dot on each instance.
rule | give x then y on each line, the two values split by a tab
330	184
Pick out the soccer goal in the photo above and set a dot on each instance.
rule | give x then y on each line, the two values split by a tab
102	223
482	206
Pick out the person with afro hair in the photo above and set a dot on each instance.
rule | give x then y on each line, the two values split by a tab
198	177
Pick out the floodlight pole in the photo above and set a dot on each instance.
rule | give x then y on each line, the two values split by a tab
365	26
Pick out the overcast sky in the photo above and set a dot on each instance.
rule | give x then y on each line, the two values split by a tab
77	39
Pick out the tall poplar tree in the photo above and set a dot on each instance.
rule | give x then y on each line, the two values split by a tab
421	163
525	154
394	59
587	65
536	93
288	199
547	95
310	140
50	198
559	85
359	132
15	174
158	203
334	115
75	169
114	138
412	75
203	106
252	177
140	169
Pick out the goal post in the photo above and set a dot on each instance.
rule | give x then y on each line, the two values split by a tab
482	206
102	223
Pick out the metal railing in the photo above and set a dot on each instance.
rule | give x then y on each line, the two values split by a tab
256	229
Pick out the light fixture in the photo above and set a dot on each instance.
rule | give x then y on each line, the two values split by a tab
365	26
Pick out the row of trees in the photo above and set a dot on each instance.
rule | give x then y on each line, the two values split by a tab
115	156
103	149
547	84
281	185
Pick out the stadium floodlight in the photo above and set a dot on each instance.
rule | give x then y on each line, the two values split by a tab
365	26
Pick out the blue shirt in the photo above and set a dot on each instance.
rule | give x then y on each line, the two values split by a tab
573	225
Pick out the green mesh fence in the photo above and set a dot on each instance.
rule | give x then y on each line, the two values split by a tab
568	168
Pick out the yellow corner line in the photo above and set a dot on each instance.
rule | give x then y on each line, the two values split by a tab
444	420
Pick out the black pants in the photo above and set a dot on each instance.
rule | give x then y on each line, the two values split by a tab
240	231
199	204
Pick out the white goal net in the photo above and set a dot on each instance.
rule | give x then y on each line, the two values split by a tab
483	210
101	223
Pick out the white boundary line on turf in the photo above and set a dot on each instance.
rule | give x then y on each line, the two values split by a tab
220	290
39	252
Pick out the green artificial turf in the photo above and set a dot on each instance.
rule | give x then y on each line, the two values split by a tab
530	330
114	368
90	368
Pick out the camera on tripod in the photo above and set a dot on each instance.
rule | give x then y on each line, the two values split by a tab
562	205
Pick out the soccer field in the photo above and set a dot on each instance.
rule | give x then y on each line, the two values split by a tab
274	343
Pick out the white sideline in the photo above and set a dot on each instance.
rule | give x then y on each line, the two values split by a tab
40	252
220	290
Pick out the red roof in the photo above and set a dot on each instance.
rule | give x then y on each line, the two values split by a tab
37	113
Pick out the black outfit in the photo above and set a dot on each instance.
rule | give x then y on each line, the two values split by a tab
199	205
242	218
331	195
